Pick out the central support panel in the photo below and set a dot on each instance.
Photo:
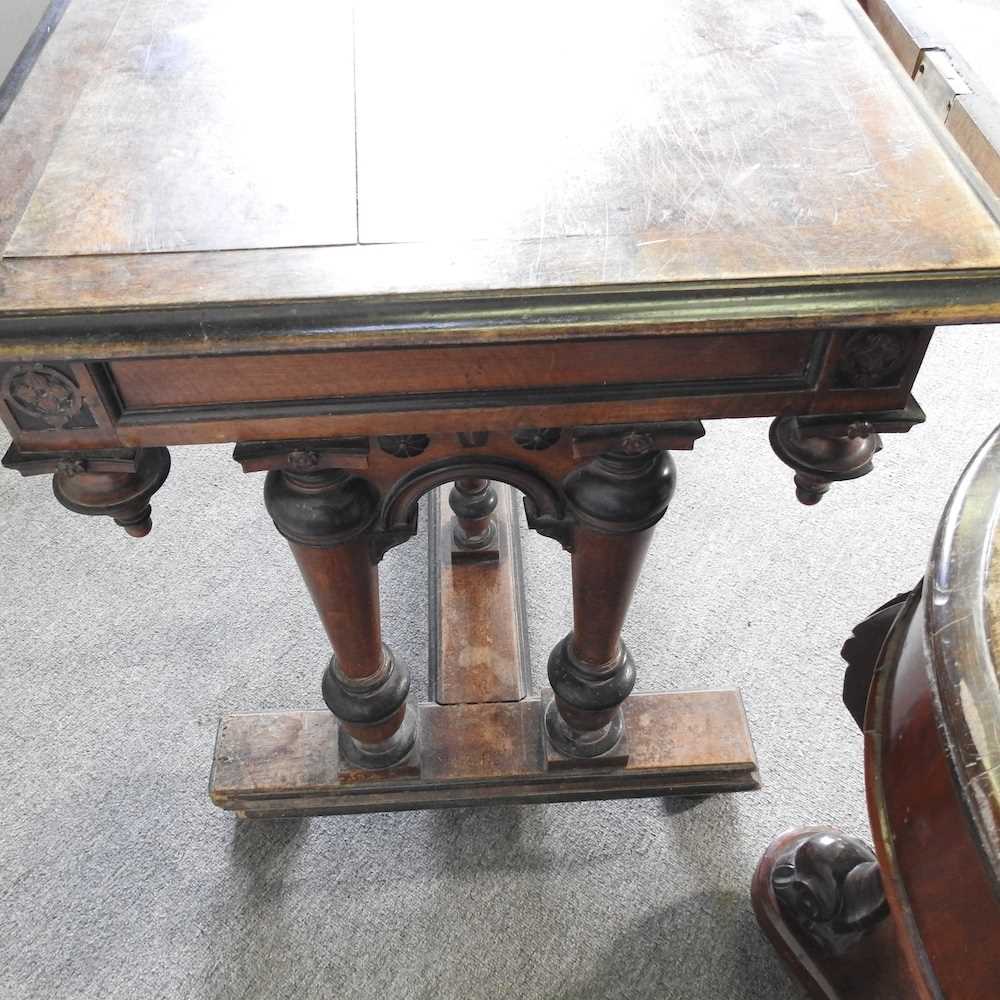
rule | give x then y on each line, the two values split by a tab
483	739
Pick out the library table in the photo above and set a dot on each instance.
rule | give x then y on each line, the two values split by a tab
383	248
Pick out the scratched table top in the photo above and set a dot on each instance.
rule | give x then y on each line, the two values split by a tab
767	158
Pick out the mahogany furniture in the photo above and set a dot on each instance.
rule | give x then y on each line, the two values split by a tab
921	916
384	248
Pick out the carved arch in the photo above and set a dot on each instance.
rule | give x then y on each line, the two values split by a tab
544	504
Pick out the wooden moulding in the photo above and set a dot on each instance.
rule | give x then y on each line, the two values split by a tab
478	636
286	763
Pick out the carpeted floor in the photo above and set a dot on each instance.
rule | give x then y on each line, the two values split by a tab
118	878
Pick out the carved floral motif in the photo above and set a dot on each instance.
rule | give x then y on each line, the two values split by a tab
43	393
70	467
536	438
872	358
404	445
302	460
637	443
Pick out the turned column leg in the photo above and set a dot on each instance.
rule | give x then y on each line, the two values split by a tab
327	517
473	502
615	501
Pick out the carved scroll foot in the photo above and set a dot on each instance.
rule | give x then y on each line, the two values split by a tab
829	887
818	896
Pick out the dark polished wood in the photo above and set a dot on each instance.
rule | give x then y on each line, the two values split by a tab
923	920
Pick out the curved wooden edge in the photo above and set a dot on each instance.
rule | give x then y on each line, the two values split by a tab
873	969
876	723
765	907
939	888
959	621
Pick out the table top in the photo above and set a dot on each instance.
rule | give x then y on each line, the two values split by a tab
551	167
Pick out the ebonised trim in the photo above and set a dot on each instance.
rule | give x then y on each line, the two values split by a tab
420	320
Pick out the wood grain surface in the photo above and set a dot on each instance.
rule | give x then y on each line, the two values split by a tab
198	153
478	635
205	126
285	763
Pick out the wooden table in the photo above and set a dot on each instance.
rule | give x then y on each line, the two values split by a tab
919	918
388	247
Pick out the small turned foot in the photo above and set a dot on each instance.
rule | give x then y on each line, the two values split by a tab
117	483
821	456
818	896
122	495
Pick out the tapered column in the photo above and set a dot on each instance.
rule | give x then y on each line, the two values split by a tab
327	518
615	501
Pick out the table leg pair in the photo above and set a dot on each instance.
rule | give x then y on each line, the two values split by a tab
330	518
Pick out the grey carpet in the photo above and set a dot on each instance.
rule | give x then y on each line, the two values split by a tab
118	878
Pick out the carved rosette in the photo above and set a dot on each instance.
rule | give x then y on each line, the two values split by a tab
873	358
537	438
302	460
42	393
404	445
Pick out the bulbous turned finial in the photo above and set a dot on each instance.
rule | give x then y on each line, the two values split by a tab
116	488
821	456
